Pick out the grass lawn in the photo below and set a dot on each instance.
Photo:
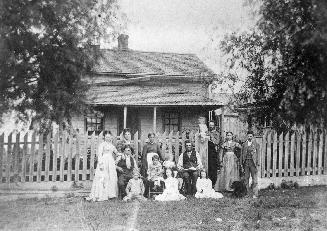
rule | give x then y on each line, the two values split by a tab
298	209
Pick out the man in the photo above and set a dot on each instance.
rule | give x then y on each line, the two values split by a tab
126	167
213	151
189	163
250	162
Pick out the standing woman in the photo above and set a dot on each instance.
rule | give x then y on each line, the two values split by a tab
230	168
126	140
104	184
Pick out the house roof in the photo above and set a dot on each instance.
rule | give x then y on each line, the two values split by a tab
131	62
140	95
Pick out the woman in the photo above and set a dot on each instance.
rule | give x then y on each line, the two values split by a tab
126	167
230	169
125	140
104	184
149	149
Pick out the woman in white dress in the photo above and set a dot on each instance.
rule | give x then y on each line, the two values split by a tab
104	184
171	192
204	188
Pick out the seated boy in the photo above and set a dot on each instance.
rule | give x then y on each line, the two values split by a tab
135	188
155	172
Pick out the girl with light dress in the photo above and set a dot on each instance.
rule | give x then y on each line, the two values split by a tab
171	192
204	188
104	184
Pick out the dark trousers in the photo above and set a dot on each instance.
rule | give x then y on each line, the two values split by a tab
250	168
212	162
190	178
122	183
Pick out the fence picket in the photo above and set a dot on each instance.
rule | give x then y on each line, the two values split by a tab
286	152
304	150
315	152
16	151
47	157
62	155
85	147
176	147
54	157
183	141
69	160
170	145
320	154
309	154
77	156
274	154
39	158
292	155
2	138
8	159
32	156
24	154
93	152
269	155
281	142
325	155
136	147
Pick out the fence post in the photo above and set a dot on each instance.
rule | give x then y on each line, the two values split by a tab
321	140
269	156
286	156
47	157
292	154
274	155
315	152
77	156
32	156
304	150
2	138
54	157
280	154
23	176
309	153
39	158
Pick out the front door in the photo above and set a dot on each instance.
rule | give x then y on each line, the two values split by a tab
132	122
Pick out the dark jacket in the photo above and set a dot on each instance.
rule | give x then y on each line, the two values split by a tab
255	154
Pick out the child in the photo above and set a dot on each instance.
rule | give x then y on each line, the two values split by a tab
171	192
204	188
135	188
155	172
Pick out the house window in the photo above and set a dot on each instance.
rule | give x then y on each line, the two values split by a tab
94	123
171	121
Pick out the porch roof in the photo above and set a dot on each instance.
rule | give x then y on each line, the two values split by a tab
140	95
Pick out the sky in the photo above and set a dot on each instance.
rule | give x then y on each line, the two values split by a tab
184	26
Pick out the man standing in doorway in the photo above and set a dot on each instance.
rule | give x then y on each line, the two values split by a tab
250	161
213	151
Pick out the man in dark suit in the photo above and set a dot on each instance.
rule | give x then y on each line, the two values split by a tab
250	162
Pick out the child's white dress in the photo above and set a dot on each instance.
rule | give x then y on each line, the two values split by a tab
204	189
170	192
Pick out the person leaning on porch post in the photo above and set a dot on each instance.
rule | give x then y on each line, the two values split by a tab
250	162
189	163
150	147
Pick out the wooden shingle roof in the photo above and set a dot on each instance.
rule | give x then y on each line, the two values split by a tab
138	62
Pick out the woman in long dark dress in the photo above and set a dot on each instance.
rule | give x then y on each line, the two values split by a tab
230	167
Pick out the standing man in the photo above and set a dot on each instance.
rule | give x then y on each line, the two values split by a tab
213	151
250	162
189	163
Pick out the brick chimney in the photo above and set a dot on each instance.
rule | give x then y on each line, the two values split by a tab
123	42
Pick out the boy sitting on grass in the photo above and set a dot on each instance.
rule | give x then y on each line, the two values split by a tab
135	188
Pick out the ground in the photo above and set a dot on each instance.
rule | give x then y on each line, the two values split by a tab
295	209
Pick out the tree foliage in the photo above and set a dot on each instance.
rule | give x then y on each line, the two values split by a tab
46	47
285	59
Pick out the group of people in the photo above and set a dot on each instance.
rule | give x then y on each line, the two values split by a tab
117	171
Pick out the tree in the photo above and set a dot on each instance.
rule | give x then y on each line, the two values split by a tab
285	59
46	47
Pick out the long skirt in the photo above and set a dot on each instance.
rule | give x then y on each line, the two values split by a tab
104	184
229	173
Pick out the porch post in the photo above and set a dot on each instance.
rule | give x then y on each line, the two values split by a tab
154	119
125	116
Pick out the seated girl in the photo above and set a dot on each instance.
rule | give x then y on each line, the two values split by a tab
171	192
135	188
204	188
155	172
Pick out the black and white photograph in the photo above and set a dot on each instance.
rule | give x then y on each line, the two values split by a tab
146	115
